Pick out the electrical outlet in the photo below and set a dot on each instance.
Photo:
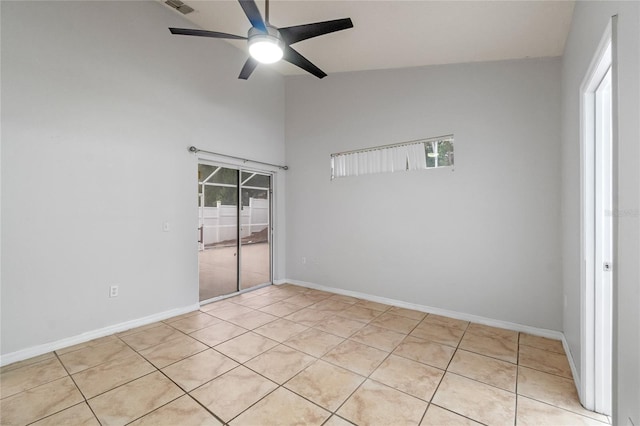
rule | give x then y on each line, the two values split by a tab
304	260
165	227
113	291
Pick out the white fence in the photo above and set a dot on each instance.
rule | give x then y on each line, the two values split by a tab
220	223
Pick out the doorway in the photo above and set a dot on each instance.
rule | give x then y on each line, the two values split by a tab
597	225
234	230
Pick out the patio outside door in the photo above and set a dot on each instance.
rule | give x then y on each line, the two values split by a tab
255	235
234	235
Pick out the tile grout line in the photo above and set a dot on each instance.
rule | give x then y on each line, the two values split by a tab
86	401
167	377
41	384
136	352
564	409
542	349
458	414
544	372
278	385
368	377
445	371
391	387
338	366
316	359
388	355
282	385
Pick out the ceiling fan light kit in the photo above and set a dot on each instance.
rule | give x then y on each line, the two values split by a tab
268	44
266	48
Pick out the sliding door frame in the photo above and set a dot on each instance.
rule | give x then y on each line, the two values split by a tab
269	190
241	166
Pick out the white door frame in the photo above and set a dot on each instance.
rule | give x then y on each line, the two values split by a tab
596	308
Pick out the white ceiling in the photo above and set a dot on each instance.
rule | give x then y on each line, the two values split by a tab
399	34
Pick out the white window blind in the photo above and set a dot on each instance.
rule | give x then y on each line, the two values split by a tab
384	159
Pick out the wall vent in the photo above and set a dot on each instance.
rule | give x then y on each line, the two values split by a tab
180	6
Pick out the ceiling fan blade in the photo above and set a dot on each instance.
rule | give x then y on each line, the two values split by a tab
205	33
298	60
252	12
248	68
302	32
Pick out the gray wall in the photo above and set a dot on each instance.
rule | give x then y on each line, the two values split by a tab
99	103
484	239
589	22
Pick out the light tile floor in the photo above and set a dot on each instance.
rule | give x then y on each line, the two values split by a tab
291	355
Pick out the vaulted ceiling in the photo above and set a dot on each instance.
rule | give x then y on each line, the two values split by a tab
399	34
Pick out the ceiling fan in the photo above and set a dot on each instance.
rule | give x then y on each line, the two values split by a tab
268	44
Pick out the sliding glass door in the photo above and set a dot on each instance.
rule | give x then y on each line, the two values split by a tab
234	209
255	212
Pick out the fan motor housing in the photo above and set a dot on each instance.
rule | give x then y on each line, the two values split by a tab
266	47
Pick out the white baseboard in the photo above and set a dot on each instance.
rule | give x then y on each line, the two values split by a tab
33	351
542	332
574	370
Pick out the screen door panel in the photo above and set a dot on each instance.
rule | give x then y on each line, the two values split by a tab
218	230
255	229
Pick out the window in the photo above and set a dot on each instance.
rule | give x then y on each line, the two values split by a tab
414	155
